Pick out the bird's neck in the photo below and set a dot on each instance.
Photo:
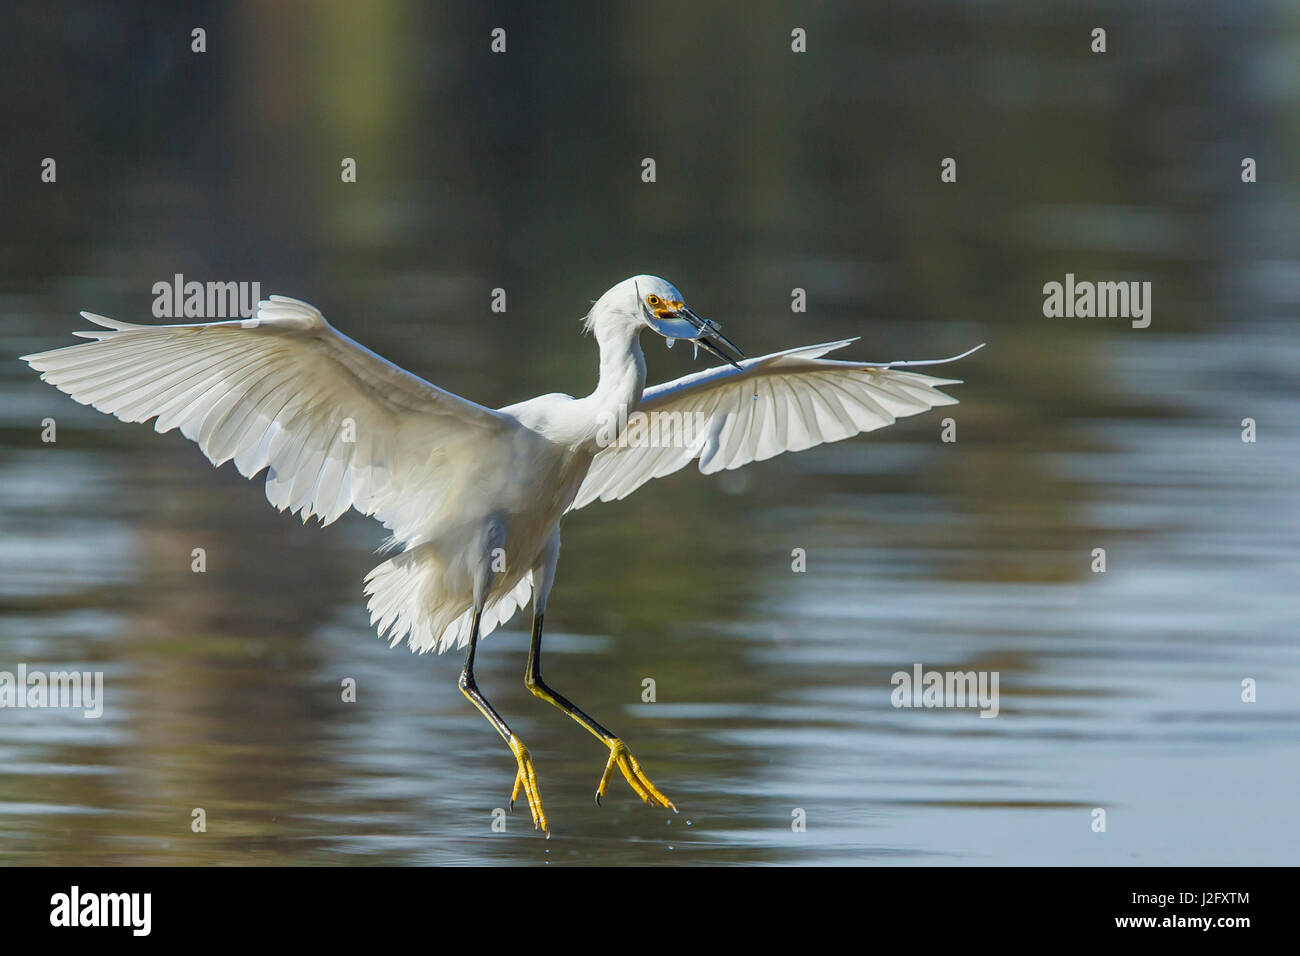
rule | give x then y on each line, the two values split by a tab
622	376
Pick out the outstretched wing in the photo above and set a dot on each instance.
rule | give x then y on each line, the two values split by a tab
335	425
787	401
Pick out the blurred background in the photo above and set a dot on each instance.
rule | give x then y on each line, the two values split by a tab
1119	690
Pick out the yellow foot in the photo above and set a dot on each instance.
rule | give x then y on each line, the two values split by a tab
526	780
621	757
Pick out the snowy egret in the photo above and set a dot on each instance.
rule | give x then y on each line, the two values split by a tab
473	496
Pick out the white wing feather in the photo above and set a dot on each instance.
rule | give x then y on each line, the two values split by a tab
335	425
787	401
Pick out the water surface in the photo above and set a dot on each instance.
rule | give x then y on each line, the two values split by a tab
1119	690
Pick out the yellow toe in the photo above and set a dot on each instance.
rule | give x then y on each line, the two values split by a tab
526	780
621	757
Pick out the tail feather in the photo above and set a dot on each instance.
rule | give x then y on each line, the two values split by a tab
406	601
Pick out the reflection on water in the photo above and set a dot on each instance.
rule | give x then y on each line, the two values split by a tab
1119	690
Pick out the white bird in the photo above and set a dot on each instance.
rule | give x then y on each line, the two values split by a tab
473	496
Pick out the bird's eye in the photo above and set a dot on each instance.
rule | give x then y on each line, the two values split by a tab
654	301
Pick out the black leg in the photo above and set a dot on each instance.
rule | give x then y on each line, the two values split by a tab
533	681
619	755
469	688
526	777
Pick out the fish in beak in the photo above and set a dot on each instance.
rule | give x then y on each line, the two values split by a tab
683	323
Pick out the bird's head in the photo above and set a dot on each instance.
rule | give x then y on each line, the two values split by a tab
656	303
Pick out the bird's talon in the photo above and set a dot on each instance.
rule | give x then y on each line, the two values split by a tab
526	780
621	757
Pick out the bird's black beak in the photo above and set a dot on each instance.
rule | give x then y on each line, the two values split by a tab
711	338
